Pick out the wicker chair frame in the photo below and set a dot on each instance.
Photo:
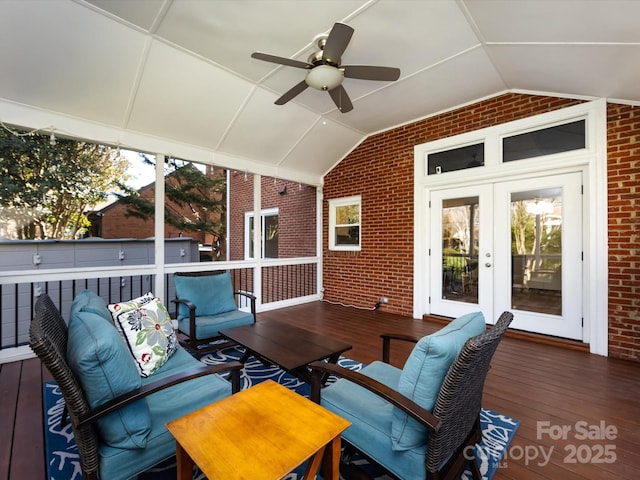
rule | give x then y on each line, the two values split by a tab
48	339
454	424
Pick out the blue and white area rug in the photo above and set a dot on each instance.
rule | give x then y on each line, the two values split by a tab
62	453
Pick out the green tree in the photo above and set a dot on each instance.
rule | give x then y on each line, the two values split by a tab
195	200
46	186
523	229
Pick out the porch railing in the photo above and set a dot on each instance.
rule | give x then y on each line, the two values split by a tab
283	281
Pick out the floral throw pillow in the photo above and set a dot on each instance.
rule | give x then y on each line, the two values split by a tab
117	308
148	332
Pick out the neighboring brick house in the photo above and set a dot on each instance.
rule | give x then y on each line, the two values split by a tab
385	263
295	205
112	221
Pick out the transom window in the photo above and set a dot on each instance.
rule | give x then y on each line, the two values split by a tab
545	141
454	159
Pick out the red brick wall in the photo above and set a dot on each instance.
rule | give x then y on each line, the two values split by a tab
241	201
296	214
623	170
381	171
115	223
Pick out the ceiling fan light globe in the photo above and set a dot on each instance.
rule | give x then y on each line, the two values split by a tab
324	77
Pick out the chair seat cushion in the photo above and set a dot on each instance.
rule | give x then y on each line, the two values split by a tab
211	294
164	406
104	367
424	372
371	419
209	326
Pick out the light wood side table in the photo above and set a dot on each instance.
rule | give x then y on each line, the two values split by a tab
261	433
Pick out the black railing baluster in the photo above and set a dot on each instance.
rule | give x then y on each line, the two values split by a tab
279	282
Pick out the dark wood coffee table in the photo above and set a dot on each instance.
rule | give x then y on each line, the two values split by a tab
289	347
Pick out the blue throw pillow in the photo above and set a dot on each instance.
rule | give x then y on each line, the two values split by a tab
211	294
424	372
104	367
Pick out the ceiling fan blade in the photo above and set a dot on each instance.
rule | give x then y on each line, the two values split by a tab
281	60
341	99
369	72
337	41
292	93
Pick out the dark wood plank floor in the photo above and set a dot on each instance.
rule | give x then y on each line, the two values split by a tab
534	382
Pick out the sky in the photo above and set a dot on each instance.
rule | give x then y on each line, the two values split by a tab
141	173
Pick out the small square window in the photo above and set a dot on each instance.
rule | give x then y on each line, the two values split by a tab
344	223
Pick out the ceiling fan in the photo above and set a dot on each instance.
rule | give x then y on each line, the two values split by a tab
325	71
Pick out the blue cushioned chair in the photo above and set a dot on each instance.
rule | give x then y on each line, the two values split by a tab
420	422
206	304
118	418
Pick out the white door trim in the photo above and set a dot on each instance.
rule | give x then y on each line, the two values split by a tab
592	160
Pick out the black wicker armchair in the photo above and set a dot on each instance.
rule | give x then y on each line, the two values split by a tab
49	339
452	427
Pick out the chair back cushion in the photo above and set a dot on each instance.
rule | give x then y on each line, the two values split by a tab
89	301
103	365
424	372
211	294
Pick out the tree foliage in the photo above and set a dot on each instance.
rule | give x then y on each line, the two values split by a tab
195	200
46	187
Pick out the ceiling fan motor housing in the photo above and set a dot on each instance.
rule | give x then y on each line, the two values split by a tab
324	77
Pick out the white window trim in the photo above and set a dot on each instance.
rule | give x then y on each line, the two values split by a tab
592	160
333	205
267	212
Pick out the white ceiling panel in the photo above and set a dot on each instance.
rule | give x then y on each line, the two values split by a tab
574	70
83	66
177	75
435	89
228	31
326	140
186	99
144	13
257	132
558	21
387	35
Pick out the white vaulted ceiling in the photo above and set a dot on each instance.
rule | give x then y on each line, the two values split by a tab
176	76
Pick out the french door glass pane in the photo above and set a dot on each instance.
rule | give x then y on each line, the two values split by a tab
460	240
536	251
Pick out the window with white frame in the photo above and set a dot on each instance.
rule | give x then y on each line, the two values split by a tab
269	228
345	223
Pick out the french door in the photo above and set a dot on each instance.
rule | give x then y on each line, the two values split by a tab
513	245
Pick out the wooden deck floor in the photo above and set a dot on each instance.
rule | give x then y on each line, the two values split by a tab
530	381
